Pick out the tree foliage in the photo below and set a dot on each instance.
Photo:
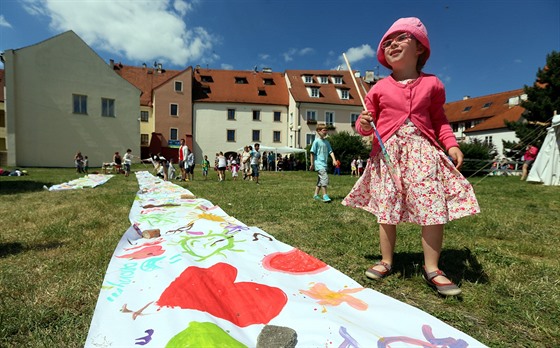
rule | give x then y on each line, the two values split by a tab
543	98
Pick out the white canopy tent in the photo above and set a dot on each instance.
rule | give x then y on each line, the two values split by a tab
281	150
546	168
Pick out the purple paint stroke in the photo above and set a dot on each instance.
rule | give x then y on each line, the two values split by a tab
146	339
349	341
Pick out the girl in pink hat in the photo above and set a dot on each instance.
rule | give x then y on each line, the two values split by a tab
407	110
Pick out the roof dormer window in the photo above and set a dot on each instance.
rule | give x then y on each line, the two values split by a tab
308	79
314	92
323	80
241	80
467	108
487	105
268	82
337	80
262	92
206	78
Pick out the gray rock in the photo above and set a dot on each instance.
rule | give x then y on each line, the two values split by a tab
273	336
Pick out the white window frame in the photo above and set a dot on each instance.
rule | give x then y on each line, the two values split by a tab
307	79
314	92
312	113
258	139
79	100
324	80
171	109
233	132
144	119
107	107
309	138
276	136
258	114
337	80
344	94
329	118
175	86
353	118
171	133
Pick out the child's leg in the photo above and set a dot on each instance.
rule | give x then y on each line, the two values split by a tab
387	240
432	240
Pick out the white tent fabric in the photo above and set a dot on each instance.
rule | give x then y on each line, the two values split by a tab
281	149
546	168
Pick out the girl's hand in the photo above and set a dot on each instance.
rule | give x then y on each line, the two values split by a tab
457	156
365	120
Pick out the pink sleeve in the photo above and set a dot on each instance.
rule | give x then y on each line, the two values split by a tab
370	107
442	129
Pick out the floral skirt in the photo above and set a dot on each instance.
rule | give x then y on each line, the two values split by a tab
430	190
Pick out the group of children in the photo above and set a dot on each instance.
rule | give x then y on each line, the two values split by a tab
408	177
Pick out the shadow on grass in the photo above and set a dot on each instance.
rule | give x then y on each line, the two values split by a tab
13	187
7	249
459	265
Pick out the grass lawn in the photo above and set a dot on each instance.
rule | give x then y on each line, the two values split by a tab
55	248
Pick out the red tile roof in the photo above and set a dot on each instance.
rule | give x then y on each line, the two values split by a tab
145	79
483	107
328	93
498	121
223	86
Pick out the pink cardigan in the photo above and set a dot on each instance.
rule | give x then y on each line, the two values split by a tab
421	101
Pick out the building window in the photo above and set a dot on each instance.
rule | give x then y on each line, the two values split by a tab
314	92
107	107
277	116
256	115
329	118
144	139
308	79
354	118
487	105
241	80
231	114
256	135
178	86
173	109
455	127
262	92
337	80
144	116
467	108
230	135
80	104
488	140
206	78
2	119
276	136
323	80
468	124
206	90
311	115
268	82
3	146
344	94
173	134
309	138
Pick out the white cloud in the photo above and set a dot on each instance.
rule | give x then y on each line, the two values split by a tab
264	56
289	56
355	54
225	66
139	30
4	22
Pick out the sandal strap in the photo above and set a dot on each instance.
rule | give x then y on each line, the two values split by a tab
384	264
432	275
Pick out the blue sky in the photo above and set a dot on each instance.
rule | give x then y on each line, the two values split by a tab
479	47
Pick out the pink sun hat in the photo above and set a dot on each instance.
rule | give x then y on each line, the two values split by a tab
410	25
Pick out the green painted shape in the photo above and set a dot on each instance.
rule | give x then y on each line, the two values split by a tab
206	334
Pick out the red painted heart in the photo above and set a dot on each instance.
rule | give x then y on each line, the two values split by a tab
294	261
215	291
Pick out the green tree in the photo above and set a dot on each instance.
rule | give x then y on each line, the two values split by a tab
543	98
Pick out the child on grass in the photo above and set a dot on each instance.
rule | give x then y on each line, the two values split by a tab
320	151
407	108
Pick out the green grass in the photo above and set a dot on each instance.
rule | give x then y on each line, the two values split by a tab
55	248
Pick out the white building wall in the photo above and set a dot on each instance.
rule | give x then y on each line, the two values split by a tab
342	118
42	129
211	124
498	136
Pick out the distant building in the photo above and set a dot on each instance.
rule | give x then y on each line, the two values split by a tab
322	96
484	117
61	97
232	109
3	133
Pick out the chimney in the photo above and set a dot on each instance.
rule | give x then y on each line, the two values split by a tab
466	97
112	63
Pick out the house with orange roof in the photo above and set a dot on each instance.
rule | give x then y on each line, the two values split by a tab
484	117
233	108
322	96
63	98
165	107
